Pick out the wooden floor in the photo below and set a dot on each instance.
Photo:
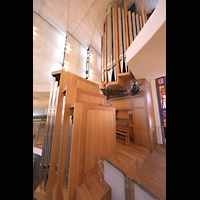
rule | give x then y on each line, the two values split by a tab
152	175
129	158
151	167
148	169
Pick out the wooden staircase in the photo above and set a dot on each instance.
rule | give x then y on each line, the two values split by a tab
129	158
94	189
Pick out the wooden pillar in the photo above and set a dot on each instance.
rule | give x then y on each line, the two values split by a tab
116	37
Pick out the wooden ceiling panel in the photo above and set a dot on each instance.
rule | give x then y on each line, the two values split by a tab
96	41
82	18
37	5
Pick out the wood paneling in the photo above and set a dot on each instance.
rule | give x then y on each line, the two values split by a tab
99	139
74	80
74	87
139	119
140	138
85	96
123	114
143	117
121	104
152	126
138	102
86	85
93	135
92	124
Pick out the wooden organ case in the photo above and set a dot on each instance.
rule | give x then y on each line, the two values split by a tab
120	27
141	124
92	134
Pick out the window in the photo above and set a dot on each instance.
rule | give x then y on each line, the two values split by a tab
87	63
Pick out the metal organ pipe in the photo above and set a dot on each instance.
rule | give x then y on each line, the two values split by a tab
104	55
134	26
123	30
114	77
130	27
102	74
109	46
120	40
109	65
137	24
48	135
124	43
140	22
103	58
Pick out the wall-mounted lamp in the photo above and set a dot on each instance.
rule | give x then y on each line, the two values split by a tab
90	74
34	29
66	66
67	48
91	57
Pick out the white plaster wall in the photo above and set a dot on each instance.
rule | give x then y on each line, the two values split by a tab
95	66
75	57
48	51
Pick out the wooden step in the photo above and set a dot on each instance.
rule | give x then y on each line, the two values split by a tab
94	189
127	164
133	149
129	158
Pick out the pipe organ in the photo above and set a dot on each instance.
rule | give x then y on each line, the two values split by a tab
109	46
121	26
80	128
